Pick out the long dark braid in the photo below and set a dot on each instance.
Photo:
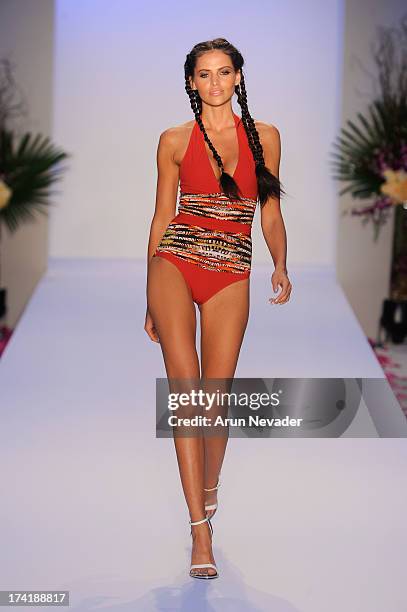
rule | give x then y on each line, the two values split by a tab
268	184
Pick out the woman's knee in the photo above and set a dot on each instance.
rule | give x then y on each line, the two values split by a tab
183	366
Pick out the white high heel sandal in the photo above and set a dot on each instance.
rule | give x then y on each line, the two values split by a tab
212	506
206	576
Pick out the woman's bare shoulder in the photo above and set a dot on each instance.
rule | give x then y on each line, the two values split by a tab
271	143
268	130
175	139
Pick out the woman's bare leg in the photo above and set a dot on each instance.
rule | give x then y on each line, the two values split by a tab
173	312
224	319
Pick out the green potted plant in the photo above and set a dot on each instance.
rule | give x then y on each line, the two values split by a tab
29	165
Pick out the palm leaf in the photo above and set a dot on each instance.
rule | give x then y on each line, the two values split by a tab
30	169
356	148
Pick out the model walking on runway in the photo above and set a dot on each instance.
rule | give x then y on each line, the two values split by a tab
224	164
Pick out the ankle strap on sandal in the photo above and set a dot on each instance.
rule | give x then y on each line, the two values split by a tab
205	520
199	522
214	488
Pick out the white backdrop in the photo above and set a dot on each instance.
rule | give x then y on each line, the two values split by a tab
119	83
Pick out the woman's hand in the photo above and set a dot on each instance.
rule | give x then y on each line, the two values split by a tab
279	277
149	327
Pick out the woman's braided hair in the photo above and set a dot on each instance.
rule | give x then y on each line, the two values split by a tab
268	184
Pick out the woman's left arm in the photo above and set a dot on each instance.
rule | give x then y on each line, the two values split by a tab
272	223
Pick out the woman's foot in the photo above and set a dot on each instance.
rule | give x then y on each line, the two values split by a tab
202	549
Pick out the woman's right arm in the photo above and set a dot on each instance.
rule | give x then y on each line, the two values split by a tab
165	205
167	190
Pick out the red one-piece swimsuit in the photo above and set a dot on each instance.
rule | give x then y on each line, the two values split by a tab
209	240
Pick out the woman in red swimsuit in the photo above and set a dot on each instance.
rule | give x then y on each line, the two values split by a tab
224	164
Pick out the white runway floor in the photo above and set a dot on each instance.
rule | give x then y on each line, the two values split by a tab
91	499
